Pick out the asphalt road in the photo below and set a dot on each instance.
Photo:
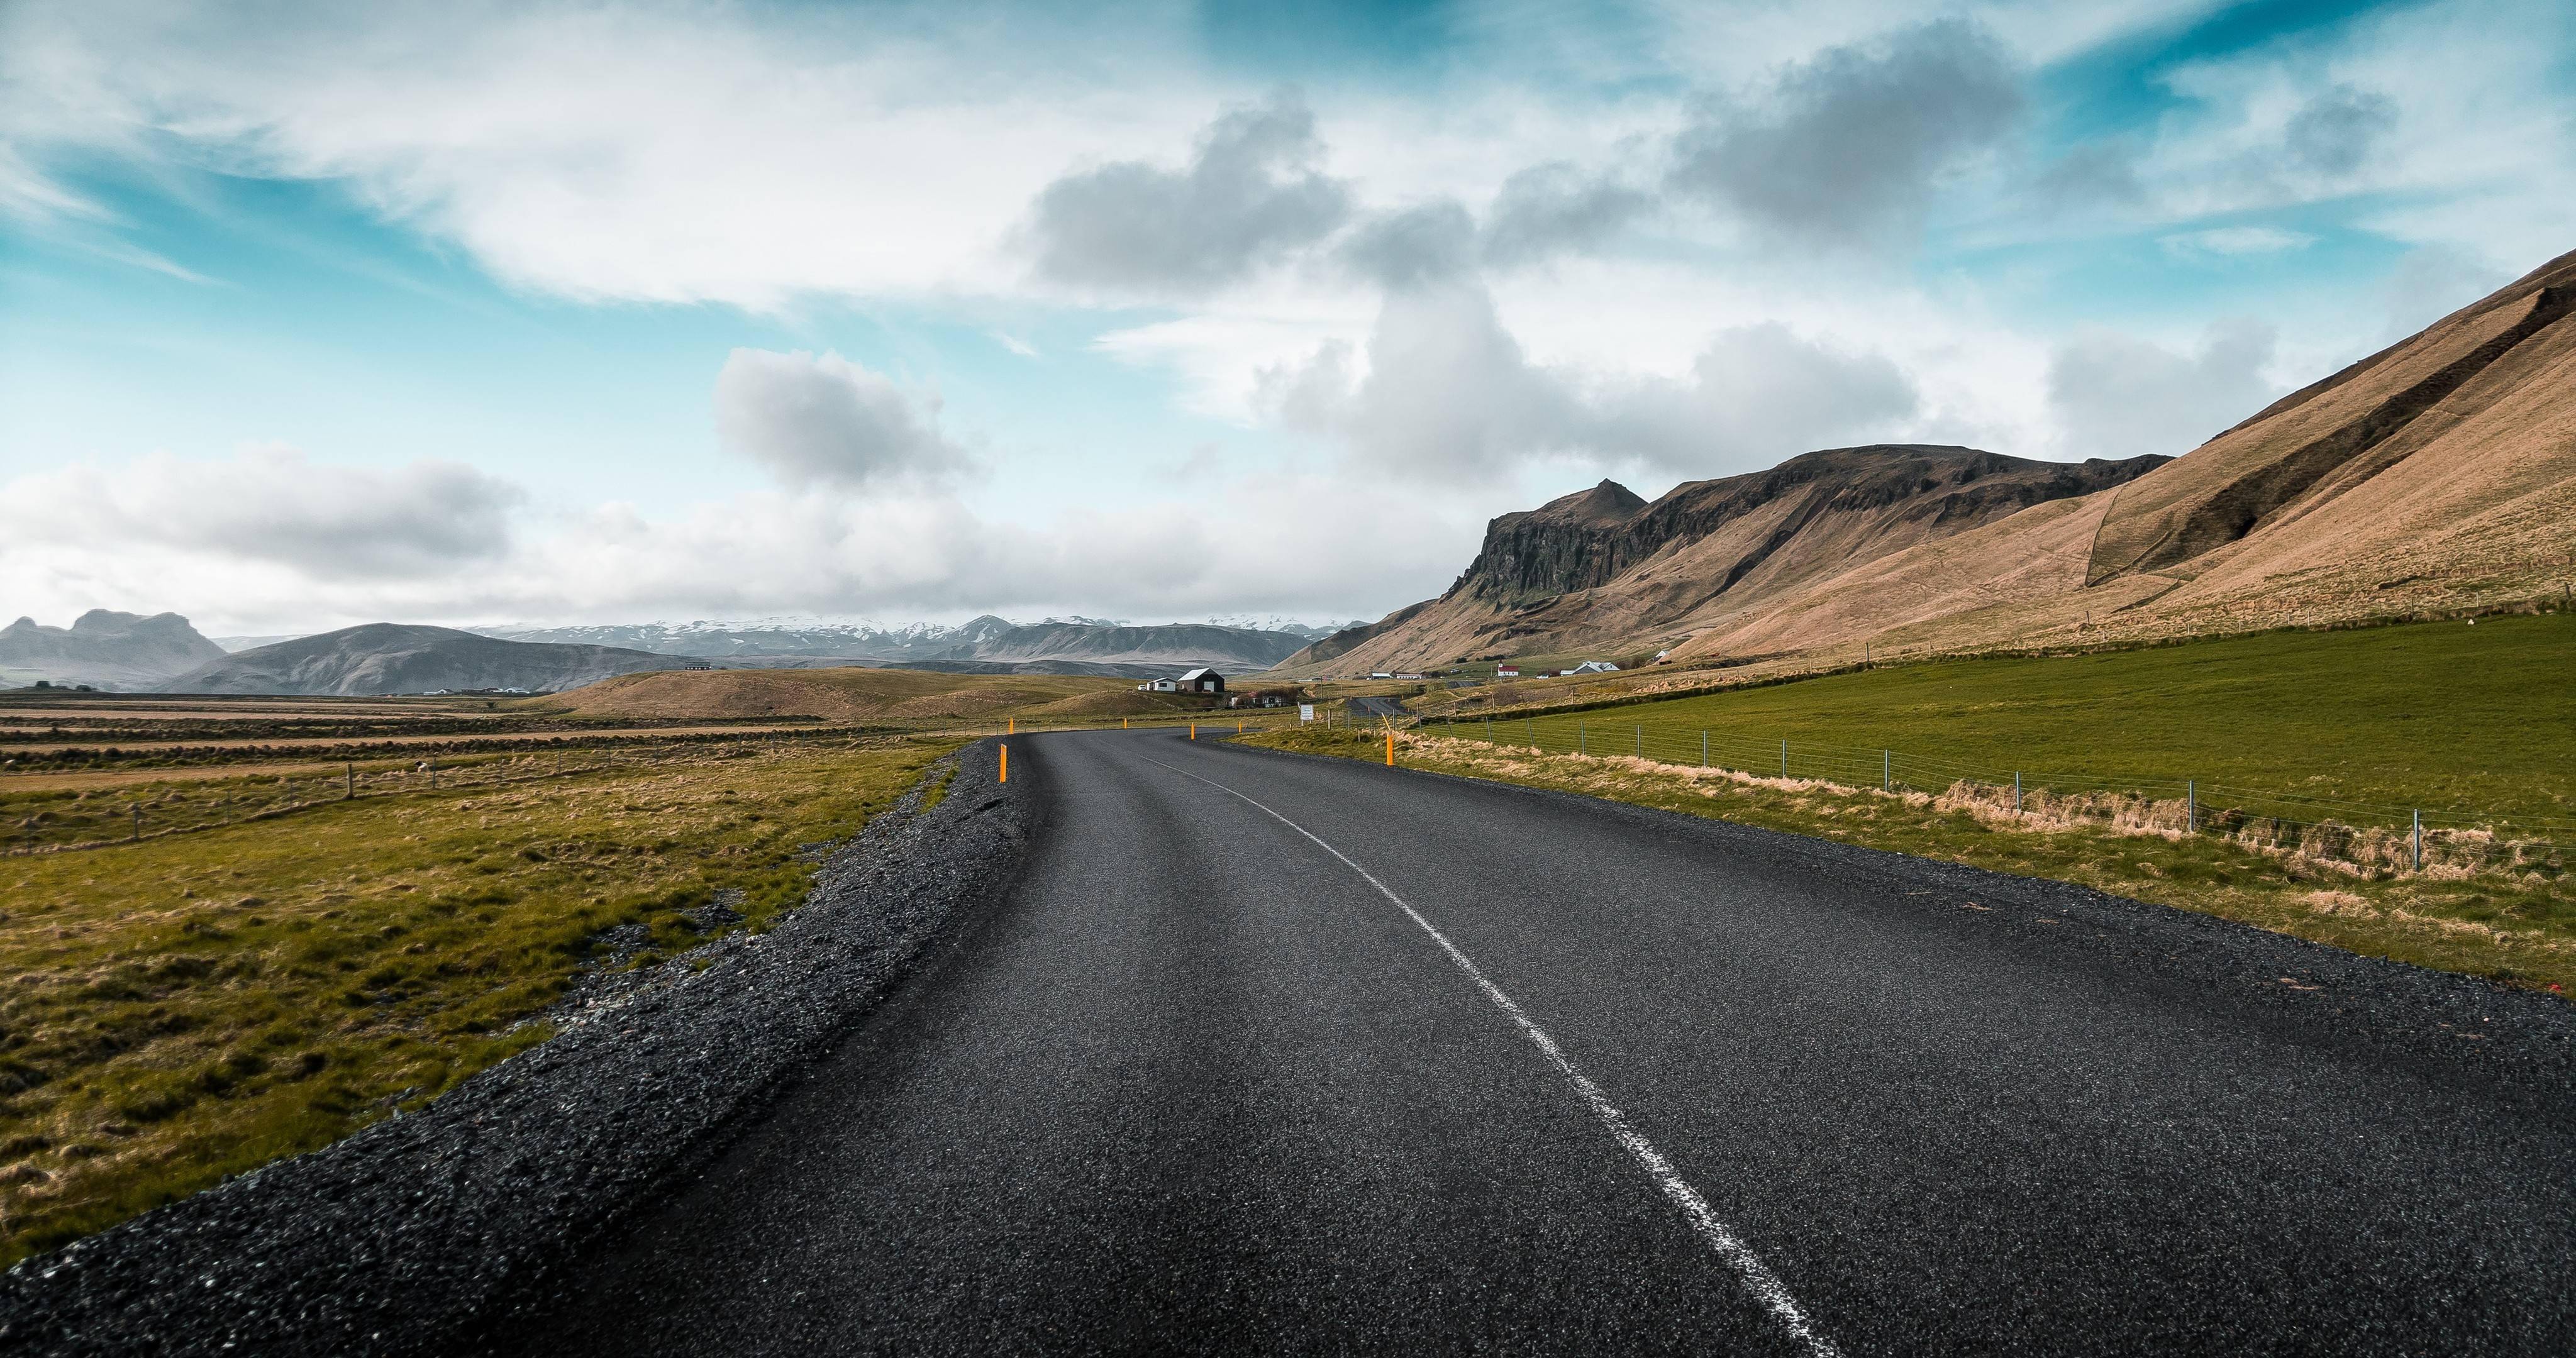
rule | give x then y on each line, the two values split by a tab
1278	1053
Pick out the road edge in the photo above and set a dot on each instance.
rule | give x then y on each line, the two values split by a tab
407	1236
2313	987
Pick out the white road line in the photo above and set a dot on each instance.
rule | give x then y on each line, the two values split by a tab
1758	1277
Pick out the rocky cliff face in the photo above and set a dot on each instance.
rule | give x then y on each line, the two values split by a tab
1589	539
102	648
1566	544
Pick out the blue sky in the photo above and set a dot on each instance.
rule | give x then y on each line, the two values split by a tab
312	315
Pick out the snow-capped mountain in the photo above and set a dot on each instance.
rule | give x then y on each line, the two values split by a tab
1274	623
1234	647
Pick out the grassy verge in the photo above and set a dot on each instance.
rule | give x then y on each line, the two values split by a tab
183	1009
2515	928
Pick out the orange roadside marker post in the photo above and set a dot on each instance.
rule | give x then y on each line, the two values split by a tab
1014	727
1006	764
1390	749
1194	730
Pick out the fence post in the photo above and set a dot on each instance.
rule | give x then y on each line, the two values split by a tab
1582	739
1489	728
1641	740
1703	747
138	822
1784	759
2191	806
353	784
2016	792
2419	839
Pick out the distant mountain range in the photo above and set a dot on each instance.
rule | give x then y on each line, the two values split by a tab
382	658
988	644
107	650
2433	478
122	651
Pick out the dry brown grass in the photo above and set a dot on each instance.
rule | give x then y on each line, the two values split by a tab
181	1009
851	695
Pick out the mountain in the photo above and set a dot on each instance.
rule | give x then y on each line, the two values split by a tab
858	640
2433	478
238	644
1602	568
986	645
1272	622
1230	650
104	649
391	658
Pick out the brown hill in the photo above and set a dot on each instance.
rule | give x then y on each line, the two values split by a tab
1603	568
2437	476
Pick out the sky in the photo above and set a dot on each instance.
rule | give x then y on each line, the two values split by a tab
536	314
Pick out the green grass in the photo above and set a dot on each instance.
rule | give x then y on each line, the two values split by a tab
2479	719
2518	928
186	1008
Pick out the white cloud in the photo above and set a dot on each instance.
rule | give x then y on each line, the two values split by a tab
1443	390
1850	144
1250	195
273	505
2116	396
820	419
272	541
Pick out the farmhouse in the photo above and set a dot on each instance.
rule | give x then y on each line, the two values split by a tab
1201	680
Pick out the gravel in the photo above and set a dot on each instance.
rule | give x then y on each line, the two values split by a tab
413	1234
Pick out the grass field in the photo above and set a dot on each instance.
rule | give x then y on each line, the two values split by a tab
2478	719
2514	927
851	694
181	1009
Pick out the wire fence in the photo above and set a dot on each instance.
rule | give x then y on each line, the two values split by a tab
2359	836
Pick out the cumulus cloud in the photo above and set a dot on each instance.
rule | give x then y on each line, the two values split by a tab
1850	145
272	504
1417	247
2338	129
1249	195
1757	394
2117	396
822	420
1557	208
1447	392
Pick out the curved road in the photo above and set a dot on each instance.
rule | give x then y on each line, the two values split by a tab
1268	1052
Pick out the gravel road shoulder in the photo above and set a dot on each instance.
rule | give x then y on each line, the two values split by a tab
407	1236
